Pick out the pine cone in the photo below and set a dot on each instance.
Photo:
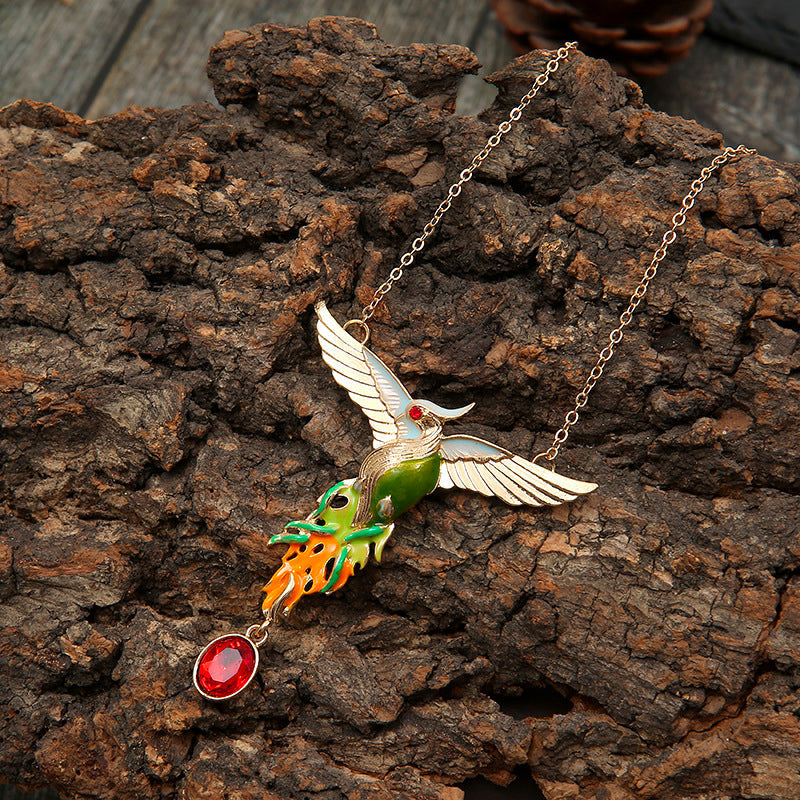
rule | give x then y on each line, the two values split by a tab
639	37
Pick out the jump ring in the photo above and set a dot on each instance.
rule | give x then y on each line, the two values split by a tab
261	629
364	329
545	455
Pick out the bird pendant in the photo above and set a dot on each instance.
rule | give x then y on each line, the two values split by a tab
410	458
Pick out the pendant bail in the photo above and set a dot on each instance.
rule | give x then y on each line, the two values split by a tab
258	633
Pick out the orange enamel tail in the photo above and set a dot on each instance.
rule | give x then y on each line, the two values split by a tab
320	564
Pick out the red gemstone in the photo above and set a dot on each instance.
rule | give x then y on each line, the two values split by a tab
415	412
225	667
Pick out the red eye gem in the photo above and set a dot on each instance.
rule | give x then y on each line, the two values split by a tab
415	412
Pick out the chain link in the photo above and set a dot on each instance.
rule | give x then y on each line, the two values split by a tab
615	337
407	259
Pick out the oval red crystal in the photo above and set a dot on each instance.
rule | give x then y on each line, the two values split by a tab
225	667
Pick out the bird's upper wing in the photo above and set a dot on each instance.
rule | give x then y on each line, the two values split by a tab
368	381
471	463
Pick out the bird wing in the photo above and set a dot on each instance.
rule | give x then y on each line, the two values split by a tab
369	382
474	464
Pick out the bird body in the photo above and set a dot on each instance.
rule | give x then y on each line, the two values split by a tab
404	470
411	457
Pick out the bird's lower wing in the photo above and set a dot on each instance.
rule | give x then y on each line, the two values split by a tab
471	463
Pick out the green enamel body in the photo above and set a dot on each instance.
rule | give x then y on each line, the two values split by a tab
406	484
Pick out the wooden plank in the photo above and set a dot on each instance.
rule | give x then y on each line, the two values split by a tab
439	21
770	26
751	98
163	63
490	44
54	52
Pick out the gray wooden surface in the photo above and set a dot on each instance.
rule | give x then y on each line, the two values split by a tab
58	53
98	56
159	67
753	99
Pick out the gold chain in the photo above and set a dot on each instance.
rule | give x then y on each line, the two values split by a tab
407	259
615	337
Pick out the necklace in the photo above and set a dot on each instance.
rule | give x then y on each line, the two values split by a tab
411	453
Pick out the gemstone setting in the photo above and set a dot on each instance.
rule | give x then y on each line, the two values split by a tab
226	666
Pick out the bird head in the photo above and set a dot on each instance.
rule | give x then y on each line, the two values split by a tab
425	415
335	509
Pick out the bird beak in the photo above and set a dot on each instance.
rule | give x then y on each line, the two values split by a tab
449	413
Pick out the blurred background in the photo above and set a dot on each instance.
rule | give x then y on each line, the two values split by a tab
733	65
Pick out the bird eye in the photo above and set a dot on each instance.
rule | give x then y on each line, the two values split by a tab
338	501
415	412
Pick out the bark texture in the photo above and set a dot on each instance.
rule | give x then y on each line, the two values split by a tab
165	411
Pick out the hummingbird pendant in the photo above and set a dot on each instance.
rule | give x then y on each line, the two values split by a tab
410	458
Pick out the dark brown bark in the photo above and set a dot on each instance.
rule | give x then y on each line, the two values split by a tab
165	411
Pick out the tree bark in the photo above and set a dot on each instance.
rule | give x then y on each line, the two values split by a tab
165	411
